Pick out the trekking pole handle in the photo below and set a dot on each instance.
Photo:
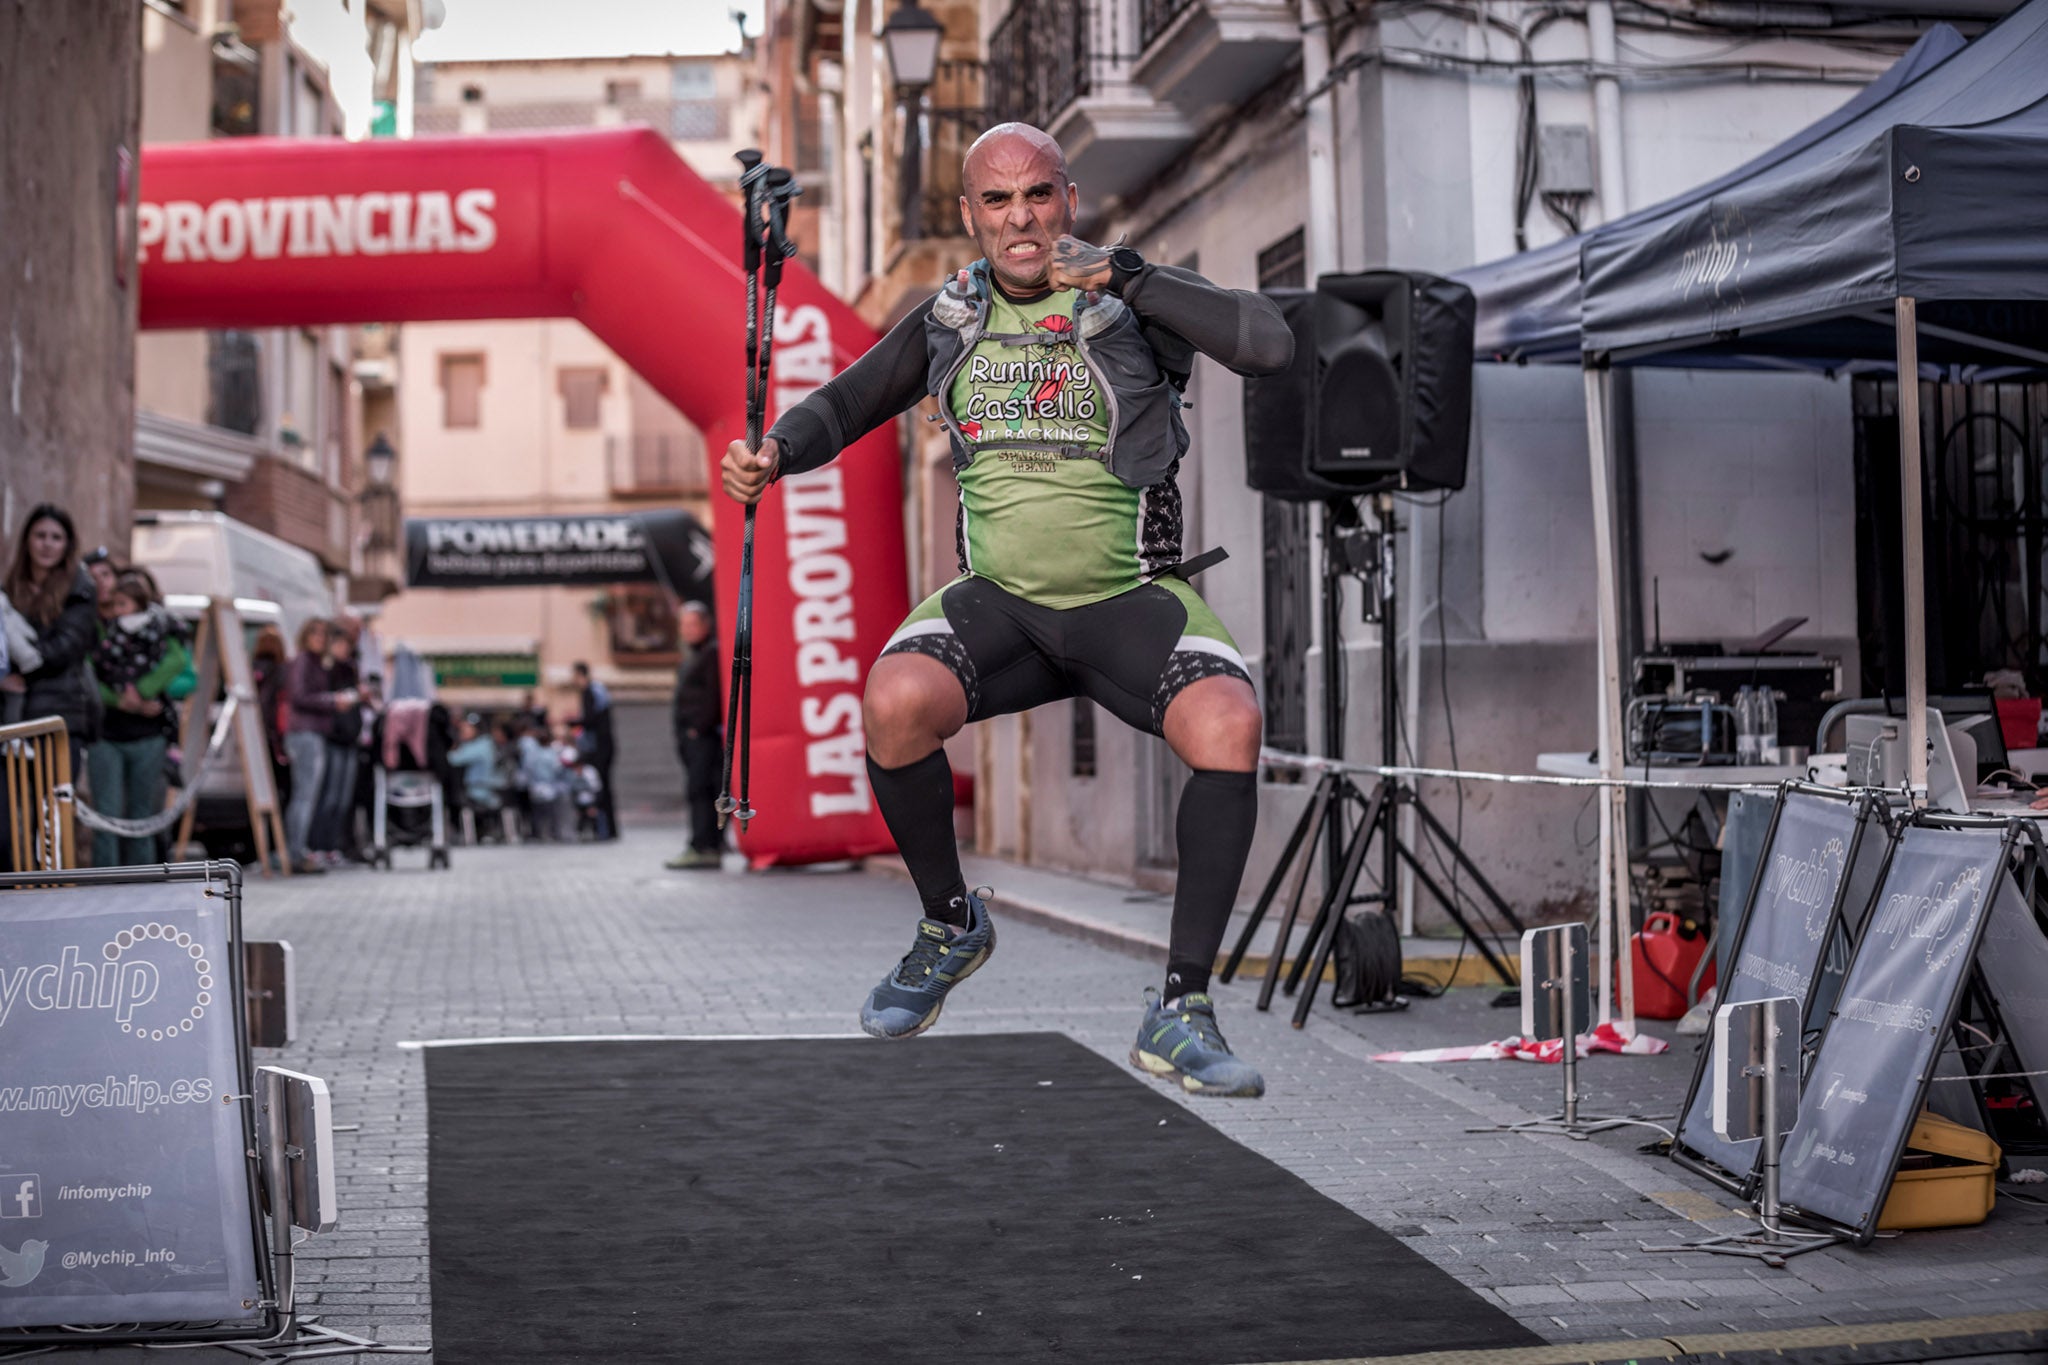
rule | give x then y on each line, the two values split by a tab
781	189
752	172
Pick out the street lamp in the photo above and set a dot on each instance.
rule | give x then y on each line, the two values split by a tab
379	500
912	38
377	460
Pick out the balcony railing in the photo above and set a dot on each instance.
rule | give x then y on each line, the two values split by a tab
1155	17
1042	57
656	464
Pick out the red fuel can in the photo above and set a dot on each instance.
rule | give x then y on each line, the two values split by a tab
1664	953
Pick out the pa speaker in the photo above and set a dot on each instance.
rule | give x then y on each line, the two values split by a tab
1379	395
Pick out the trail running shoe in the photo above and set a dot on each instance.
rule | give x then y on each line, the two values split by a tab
1185	1042
908	1000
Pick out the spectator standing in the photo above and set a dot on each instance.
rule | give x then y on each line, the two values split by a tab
332	835
138	662
57	599
698	720
595	702
268	663
310	706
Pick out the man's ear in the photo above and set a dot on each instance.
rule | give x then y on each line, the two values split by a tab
966	216
1073	199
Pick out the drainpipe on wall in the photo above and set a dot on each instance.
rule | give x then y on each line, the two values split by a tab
1319	235
1320	227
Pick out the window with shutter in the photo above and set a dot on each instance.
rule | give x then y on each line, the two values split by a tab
462	391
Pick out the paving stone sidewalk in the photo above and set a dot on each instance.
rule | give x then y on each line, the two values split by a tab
549	940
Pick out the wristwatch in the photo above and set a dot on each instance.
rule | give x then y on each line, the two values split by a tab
1124	263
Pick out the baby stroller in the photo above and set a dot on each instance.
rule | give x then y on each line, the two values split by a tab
411	776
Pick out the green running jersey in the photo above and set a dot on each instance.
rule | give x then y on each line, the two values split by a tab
1052	528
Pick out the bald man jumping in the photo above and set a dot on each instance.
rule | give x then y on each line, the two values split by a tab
1058	368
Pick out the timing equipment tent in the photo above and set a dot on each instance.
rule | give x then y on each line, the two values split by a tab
1934	192
611	228
1529	303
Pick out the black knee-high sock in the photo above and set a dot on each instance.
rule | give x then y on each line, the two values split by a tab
1214	832
917	802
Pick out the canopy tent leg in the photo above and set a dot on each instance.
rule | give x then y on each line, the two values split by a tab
1617	981
1912	558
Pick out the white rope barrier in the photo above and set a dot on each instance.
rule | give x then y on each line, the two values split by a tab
1279	758
169	815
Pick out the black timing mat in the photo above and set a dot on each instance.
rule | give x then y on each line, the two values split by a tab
1006	1197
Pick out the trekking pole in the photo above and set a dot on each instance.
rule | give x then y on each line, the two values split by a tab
781	188
753	174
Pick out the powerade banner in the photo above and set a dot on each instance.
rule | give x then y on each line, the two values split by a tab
612	228
671	548
124	1194
1865	1085
1799	876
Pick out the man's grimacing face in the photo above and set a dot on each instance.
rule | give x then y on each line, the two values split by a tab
1018	203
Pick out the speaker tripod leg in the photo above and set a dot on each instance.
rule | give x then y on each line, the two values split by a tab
1310	814
1336	863
1326	792
1334	905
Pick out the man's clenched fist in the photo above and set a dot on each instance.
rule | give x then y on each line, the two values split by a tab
746	472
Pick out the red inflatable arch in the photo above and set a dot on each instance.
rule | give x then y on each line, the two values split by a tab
613	229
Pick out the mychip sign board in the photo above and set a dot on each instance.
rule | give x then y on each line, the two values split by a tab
1793	912
124	1190
1918	946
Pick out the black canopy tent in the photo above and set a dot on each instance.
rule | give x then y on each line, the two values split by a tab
1529	303
1937	194
1932	190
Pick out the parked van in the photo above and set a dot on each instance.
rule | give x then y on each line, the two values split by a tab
198	555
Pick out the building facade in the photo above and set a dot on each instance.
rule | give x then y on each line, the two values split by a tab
1265	142
519	417
270	425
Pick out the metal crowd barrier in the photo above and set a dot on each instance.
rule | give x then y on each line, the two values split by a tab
35	765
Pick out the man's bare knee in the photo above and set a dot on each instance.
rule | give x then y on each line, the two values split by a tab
1216	724
912	704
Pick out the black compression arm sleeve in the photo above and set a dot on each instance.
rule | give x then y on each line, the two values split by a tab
1239	329
867	393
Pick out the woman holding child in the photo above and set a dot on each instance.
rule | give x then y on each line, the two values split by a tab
142	664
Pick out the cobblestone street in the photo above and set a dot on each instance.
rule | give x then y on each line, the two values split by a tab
598	939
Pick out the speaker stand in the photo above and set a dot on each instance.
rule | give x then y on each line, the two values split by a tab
1351	551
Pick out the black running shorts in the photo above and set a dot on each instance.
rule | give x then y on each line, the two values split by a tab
1131	654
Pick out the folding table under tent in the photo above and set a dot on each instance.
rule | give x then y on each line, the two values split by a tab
1931	188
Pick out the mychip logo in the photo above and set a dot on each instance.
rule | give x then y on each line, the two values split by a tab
154	980
1944	920
1809	882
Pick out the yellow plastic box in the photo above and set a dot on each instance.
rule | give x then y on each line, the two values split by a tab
1946	1179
